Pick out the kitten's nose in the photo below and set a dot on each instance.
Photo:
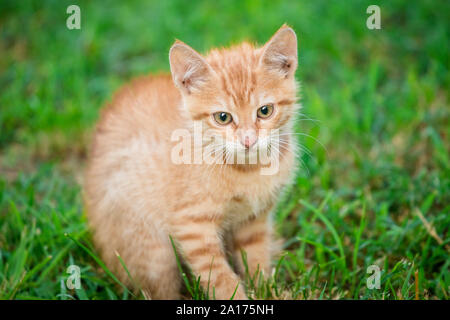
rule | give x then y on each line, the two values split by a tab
248	139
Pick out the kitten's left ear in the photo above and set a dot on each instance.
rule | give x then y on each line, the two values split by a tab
189	69
279	54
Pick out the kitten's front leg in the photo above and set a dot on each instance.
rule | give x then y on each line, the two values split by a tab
202	248
255	239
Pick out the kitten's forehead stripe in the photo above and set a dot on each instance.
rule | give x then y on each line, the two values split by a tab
236	68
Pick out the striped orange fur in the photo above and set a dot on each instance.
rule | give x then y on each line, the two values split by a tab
136	196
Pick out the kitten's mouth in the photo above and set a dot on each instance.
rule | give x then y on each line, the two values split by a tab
253	156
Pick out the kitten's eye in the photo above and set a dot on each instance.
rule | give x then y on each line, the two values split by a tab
222	118
265	111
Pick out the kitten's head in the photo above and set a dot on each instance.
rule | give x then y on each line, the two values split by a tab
241	95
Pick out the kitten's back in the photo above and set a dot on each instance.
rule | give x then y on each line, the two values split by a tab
146	106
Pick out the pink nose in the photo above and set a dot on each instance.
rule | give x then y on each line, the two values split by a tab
249	141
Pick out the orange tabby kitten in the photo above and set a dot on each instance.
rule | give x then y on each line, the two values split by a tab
143	185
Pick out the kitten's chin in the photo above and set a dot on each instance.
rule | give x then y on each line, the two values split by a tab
252	157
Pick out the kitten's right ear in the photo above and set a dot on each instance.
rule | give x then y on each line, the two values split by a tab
189	69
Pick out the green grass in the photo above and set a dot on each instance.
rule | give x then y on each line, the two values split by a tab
377	192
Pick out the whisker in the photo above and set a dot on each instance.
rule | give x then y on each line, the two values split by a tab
305	135
301	147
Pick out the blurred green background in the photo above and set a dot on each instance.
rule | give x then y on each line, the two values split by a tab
374	187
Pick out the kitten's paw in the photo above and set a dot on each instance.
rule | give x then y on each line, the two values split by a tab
230	292
240	295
